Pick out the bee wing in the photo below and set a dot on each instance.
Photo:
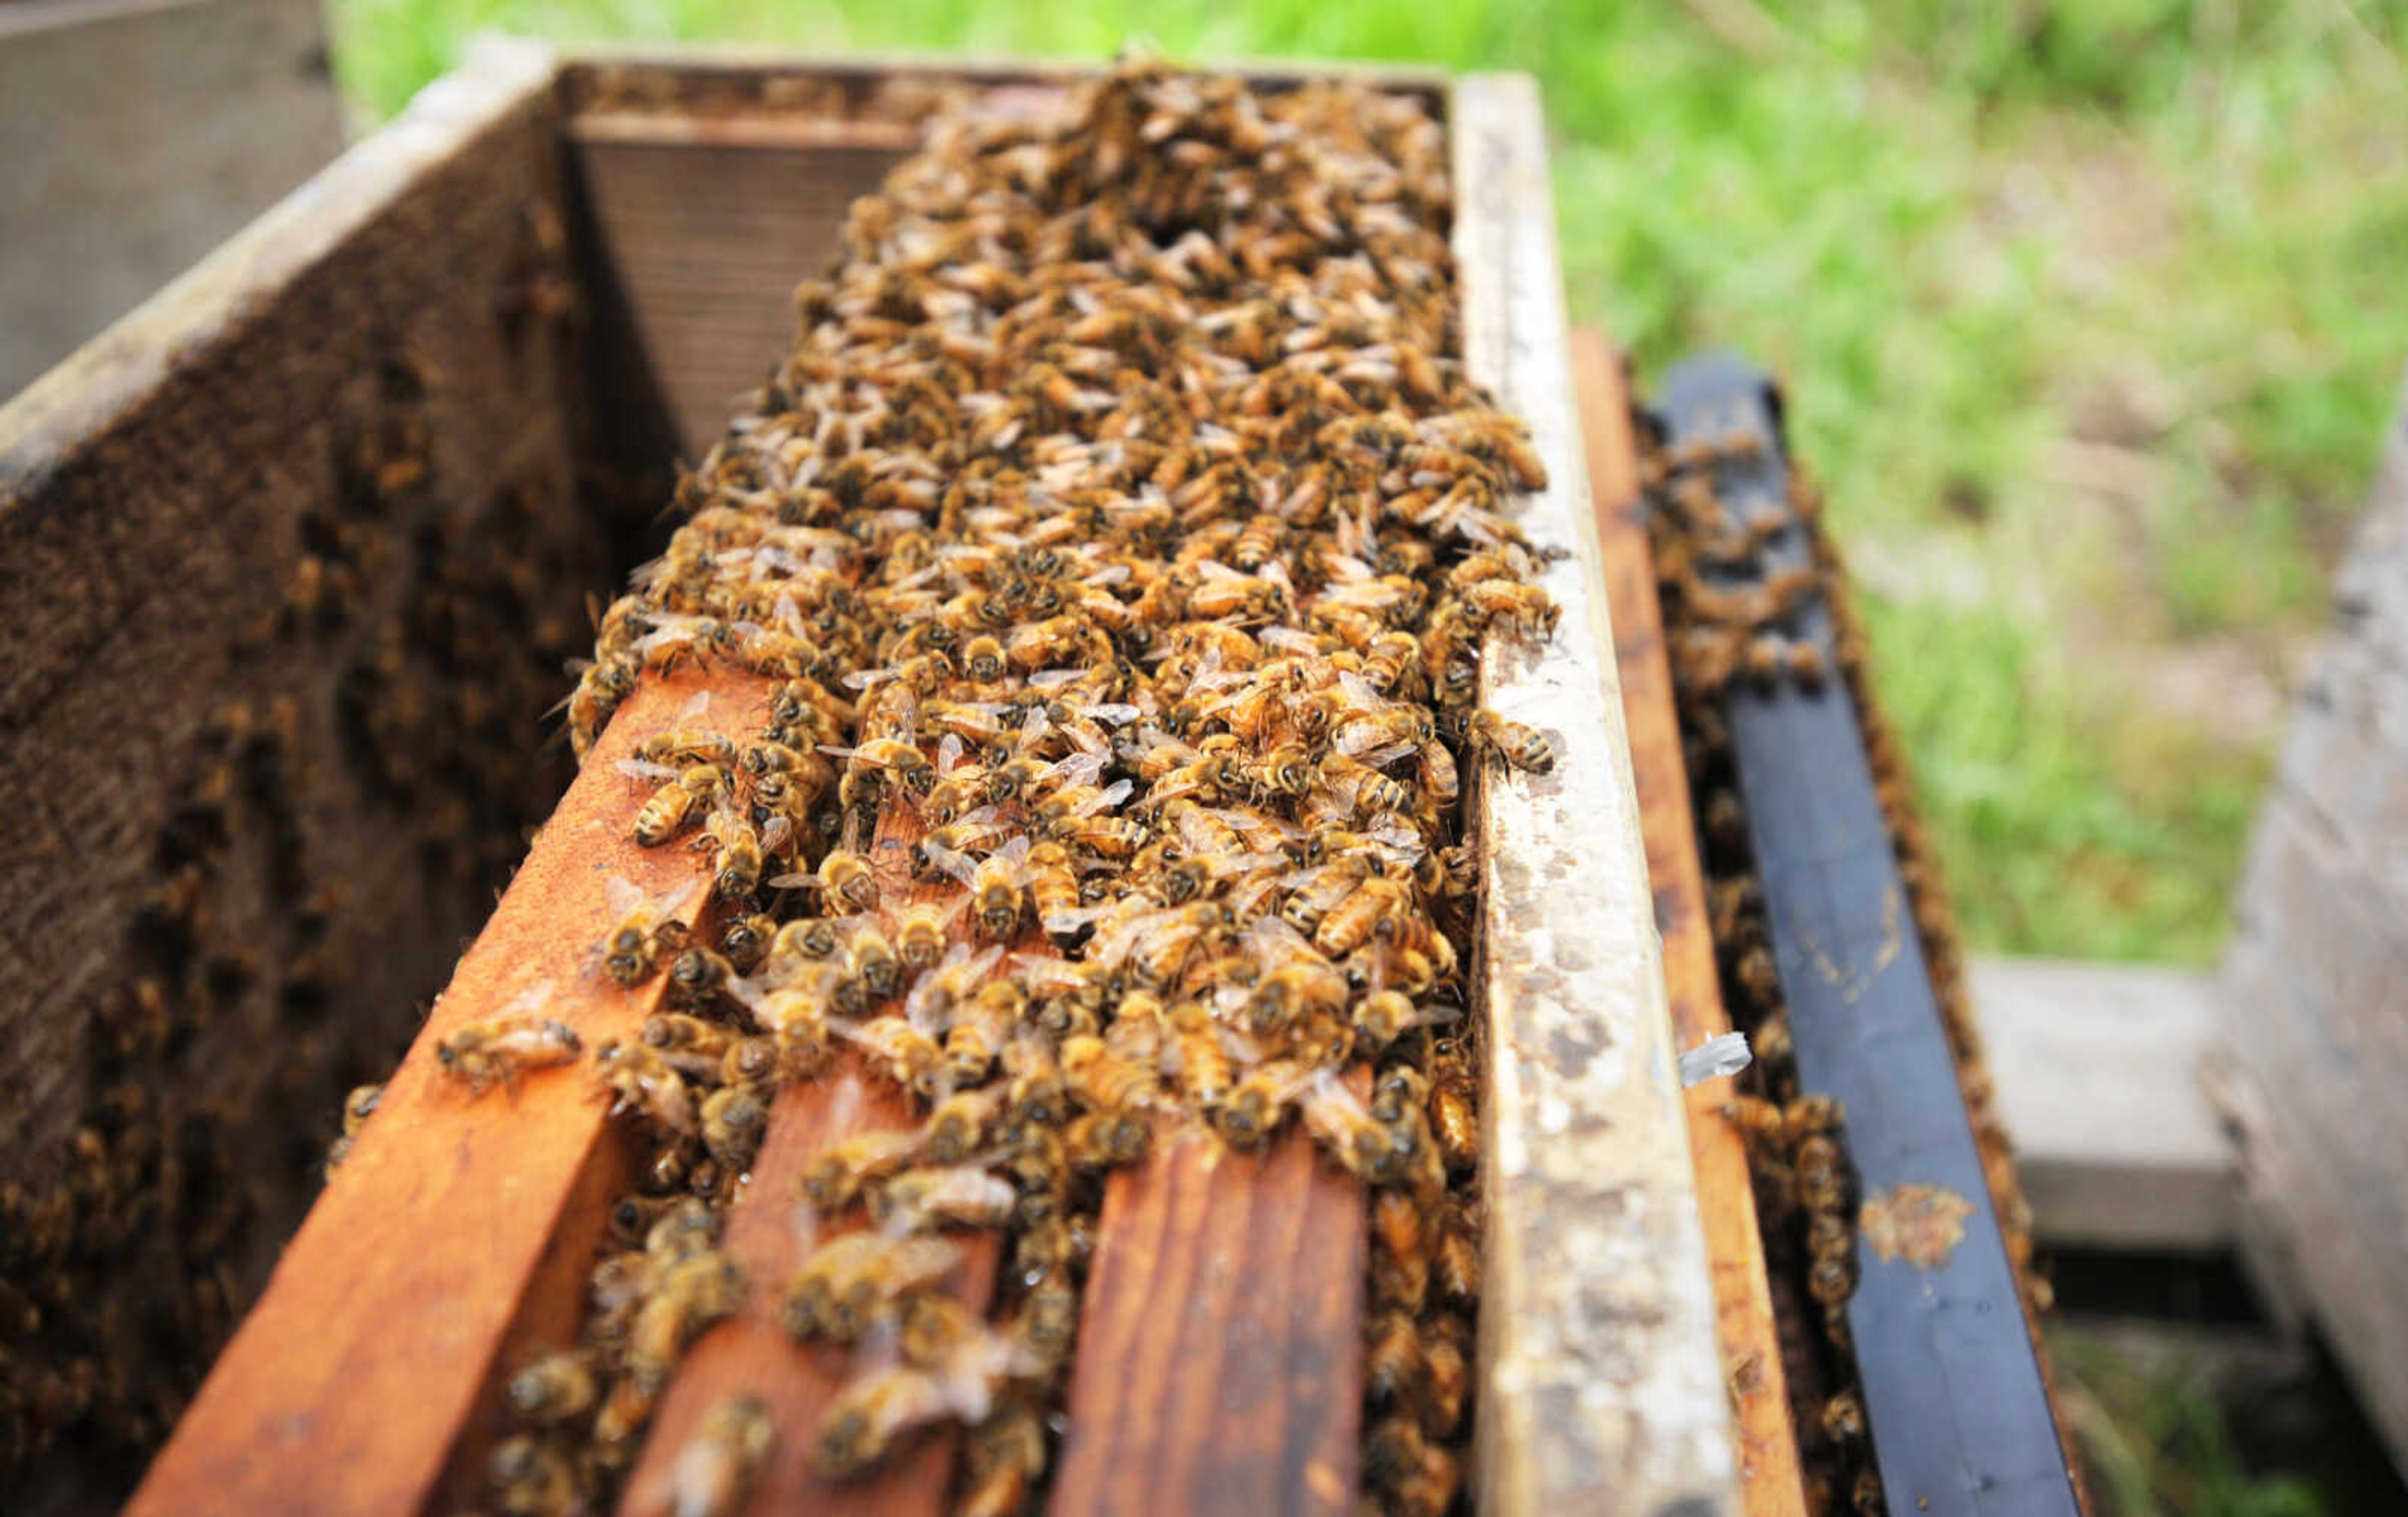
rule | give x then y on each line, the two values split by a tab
622	894
1016	848
643	770
949	753
529	999
959	865
836	750
1106	800
796	882
1052	679
693	708
1289	639
1360	692
1380	758
1081	768
1113	714
774	833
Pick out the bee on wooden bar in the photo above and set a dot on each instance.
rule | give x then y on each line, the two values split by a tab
497	1051
645	928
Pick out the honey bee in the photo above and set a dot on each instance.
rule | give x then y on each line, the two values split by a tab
676	803
733	1121
1295	990
893	755
693	1294
983	660
959	1125
920	940
646	929
843	875
640	1080
532	1476
851	1283
738	856
1524	609
1354	919
695	746
481	1054
1522	747
1258	1106
713	1473
1052	889
698	977
1338	1117
1394	1364
978	1032
960	1196
1004	1462
1454	1121
555	1388
745	940
1103	1139
1038	1093
873	1413
834	1179
994	894
902	1052
872	961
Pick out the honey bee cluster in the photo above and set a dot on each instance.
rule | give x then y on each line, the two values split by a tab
1121	534
1720	612
1726	620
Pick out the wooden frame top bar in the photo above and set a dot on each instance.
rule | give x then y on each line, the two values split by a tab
1601	1383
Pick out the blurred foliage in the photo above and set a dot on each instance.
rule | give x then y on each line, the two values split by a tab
2154	1438
2089	312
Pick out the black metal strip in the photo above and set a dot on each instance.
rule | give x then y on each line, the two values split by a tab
1960	1420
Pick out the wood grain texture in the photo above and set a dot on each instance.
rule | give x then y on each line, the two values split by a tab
373	1352
159	493
2098	1073
750	1353
1601	1383
1769	1480
699	239
2315	1042
1220	1346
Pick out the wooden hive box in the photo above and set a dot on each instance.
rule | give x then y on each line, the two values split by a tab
294	555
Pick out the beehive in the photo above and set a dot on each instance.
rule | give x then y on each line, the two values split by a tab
618	243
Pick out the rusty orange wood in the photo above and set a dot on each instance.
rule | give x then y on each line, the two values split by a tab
455	1220
1220	1347
751	1354
1770	1482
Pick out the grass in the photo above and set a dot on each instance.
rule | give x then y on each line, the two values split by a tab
2083	308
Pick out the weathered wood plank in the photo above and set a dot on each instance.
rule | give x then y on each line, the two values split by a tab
698	241
371	1356
1601	1383
1770	1484
2313	1052
2096	1067
219	530
1220	1348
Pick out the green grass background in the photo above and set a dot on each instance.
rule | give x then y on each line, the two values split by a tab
2083	308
